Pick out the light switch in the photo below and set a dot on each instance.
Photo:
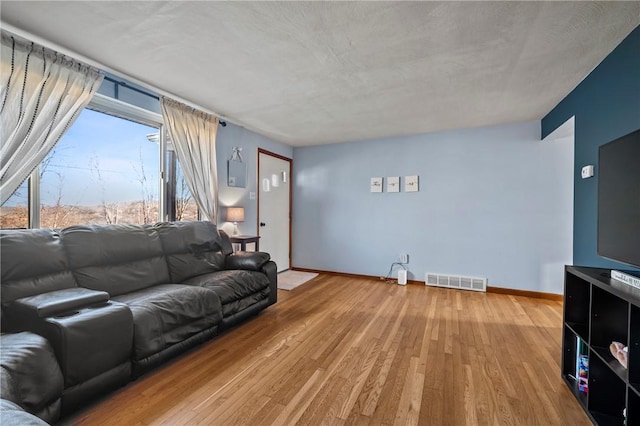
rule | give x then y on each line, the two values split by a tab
587	172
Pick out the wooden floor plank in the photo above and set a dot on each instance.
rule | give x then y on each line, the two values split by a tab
355	351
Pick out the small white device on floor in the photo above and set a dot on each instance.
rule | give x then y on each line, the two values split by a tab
402	277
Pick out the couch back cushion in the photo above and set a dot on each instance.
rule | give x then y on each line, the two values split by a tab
32	261
192	248
117	259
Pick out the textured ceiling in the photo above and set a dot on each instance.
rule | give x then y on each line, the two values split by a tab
309	73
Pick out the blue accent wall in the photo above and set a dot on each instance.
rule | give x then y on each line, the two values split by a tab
606	105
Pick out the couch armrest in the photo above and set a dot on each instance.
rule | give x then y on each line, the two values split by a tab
30	375
60	302
89	335
271	271
247	260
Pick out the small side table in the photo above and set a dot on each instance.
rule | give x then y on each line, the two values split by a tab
244	239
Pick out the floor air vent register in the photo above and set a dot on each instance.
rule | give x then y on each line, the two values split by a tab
456	281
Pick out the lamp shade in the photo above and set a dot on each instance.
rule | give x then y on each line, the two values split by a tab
235	214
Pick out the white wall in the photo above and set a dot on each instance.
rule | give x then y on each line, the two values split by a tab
494	202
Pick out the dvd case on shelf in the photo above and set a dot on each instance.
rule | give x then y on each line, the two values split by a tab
582	366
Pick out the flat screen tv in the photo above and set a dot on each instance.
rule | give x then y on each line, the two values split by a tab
619	200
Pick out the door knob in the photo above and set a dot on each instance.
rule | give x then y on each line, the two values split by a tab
262	224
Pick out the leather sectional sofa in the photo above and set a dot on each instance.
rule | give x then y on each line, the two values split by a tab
88	308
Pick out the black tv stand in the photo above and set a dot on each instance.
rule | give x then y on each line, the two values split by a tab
597	311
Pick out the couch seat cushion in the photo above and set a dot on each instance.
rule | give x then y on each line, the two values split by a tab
232	286
234	307
166	314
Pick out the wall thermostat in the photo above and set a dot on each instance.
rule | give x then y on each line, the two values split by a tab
587	171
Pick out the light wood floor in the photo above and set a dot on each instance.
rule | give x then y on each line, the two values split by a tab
353	351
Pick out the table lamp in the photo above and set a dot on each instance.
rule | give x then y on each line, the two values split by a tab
235	215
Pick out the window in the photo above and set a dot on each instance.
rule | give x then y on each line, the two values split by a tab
15	212
107	168
103	170
129	93
181	205
186	207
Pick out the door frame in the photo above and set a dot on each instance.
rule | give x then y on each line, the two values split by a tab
290	161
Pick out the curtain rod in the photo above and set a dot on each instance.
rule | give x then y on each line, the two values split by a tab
75	55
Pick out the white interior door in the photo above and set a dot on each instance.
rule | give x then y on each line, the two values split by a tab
274	207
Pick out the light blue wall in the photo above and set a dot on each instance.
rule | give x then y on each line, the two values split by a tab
493	202
226	139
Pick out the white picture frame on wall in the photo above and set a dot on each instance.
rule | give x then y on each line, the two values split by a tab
393	184
376	184
411	183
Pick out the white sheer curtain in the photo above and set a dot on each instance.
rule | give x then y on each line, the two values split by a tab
42	93
193	134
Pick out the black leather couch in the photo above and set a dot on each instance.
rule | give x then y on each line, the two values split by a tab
110	302
30	380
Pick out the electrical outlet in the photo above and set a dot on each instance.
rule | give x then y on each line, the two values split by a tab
404	258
